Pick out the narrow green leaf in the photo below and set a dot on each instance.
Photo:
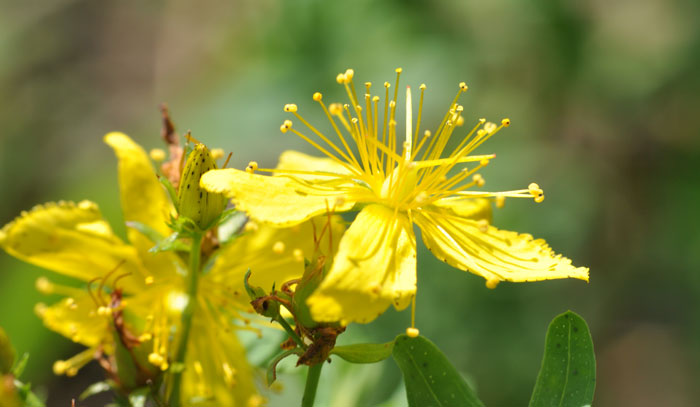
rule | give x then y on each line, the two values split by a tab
431	381
364	352
567	376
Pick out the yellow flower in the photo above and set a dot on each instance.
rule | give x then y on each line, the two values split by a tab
376	262
74	240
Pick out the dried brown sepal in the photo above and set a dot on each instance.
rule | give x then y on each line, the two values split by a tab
324	338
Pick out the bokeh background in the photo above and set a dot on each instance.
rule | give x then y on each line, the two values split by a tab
604	102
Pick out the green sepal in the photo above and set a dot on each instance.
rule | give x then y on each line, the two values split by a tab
272	369
24	390
364	352
20	365
231	224
430	378
263	304
7	353
170	243
170	188
96	388
567	375
314	272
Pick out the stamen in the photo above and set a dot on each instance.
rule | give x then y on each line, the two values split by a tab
217	153
278	247
252	166
409	123
157	155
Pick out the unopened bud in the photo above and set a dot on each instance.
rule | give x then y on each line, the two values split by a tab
194	202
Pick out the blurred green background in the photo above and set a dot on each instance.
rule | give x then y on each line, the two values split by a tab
604	101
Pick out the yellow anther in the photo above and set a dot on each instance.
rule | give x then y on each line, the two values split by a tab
539	198
460	121
459	108
217	153
500	201
335	108
533	188
412	332
104	311
290	108
145	337
368	85
505	122
43	285
286	126
478	180
157	154
399	70
482	120
298	255
252	167
229	375
375	99
278	247
481	133
317	97
70	302
71	371
59	367
491	283
427	133
421	198
257	400
463	86
164	366
155	359
483	225
484	162
387	85
392	104
250	226
349	74
422	86
340	78
490	127
40	309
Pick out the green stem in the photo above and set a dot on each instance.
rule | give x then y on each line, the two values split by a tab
311	384
187	313
291	332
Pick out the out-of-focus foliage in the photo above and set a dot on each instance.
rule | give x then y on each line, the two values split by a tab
602	96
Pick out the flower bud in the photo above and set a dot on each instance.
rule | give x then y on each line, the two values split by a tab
194	202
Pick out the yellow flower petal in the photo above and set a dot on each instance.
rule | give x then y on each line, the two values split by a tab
217	368
496	255
296	161
470	208
76	318
280	201
143	199
70	239
375	266
274	256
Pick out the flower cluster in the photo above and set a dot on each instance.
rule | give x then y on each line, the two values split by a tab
161	310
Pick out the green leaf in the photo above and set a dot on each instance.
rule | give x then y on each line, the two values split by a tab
138	398
431	381
7	353
567	376
364	352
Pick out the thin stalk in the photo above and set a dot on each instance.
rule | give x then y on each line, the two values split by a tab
311	385
291	333
187	313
